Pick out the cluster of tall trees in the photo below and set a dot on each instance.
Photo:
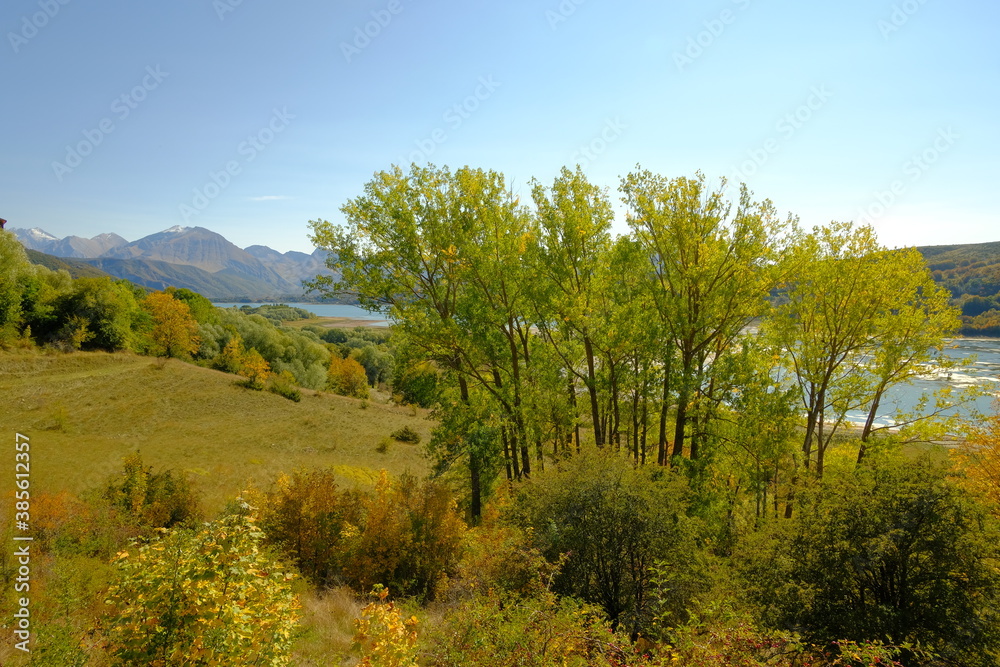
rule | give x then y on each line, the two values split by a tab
705	330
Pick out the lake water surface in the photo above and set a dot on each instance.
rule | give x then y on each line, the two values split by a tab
984	372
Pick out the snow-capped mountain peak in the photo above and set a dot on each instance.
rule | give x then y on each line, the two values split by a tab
39	234
176	229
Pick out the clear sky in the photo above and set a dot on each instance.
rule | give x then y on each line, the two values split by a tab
250	118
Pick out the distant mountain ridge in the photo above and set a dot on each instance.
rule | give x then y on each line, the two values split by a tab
192	257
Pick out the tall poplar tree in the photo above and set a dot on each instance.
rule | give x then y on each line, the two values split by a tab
711	264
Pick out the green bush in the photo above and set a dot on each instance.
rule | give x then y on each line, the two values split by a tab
406	434
152	500
416	384
496	629
283	384
210	597
617	526
893	551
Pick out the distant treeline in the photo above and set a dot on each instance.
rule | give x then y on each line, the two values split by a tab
972	274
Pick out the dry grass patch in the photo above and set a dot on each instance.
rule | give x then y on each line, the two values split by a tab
327	628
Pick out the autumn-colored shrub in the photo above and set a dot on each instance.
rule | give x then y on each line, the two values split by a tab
59	518
309	518
206	597
347	377
255	369
230	359
979	459
175	331
499	555
409	539
385	637
235	358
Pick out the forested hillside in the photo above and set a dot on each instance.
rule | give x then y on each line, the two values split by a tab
971	273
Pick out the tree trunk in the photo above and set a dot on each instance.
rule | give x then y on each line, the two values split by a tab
869	424
476	492
661	455
595	411
682	407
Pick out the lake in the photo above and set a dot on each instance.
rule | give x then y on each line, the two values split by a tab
985	372
328	310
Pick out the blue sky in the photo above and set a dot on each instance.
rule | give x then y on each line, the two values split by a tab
251	118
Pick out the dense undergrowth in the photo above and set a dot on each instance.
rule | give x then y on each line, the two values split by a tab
594	562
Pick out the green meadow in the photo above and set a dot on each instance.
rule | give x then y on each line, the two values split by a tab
85	411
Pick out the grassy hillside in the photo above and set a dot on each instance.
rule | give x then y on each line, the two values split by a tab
85	411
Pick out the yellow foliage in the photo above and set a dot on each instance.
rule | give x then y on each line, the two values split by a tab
386	639
175	331
980	458
347	377
248	363
255	369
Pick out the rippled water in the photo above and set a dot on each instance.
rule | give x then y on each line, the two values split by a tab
984	372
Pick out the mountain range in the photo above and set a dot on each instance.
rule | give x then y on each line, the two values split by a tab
192	257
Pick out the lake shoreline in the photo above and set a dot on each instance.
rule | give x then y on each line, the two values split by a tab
338	323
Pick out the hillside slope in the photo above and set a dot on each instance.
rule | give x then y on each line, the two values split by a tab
75	267
972	269
85	411
159	275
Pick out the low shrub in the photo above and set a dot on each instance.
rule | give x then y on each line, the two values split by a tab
152	500
406	434
283	384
